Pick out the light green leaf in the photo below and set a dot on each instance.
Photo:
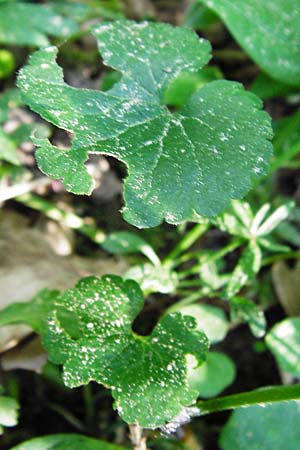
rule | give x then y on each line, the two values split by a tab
31	313
272	427
180	165
90	332
9	99
210	319
236	220
265	87
8	149
268	31
215	375
125	242
247	267
154	278
9	409
66	442
284	342
243	309
29	24
273	246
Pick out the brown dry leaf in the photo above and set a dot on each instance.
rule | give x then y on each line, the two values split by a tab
286	281
29	264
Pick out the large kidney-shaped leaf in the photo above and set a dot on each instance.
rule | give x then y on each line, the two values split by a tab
89	332
180	165
30	24
269	32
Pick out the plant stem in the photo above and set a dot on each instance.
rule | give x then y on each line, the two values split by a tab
285	157
11	192
189	239
280	257
212	257
58	214
137	438
184	302
260	397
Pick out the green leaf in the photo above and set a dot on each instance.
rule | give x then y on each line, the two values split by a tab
268	31
9	99
284	342
215	375
154	278
31	313
66	442
29	24
180	165
9	409
273	427
236	220
210	319
125	242
90	332
243	309
247	267
199	17
265	87
8	149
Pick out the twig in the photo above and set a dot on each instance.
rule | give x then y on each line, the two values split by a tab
137	438
23	188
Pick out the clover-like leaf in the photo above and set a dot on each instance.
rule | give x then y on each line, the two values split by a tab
180	165
269	32
90	332
29	24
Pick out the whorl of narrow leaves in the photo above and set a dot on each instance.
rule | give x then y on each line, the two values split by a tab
90	332
180	165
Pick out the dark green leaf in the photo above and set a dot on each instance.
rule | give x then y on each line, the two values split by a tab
268	31
147	374
29	24
180	165
266	427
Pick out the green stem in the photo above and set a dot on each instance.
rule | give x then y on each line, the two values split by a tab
184	302
280	257
89	405
212	257
285	157
60	215
260	397
189	239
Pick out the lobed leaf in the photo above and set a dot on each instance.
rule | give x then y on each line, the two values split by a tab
90	332
180	165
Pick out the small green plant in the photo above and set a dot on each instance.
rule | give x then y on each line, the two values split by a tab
192	144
